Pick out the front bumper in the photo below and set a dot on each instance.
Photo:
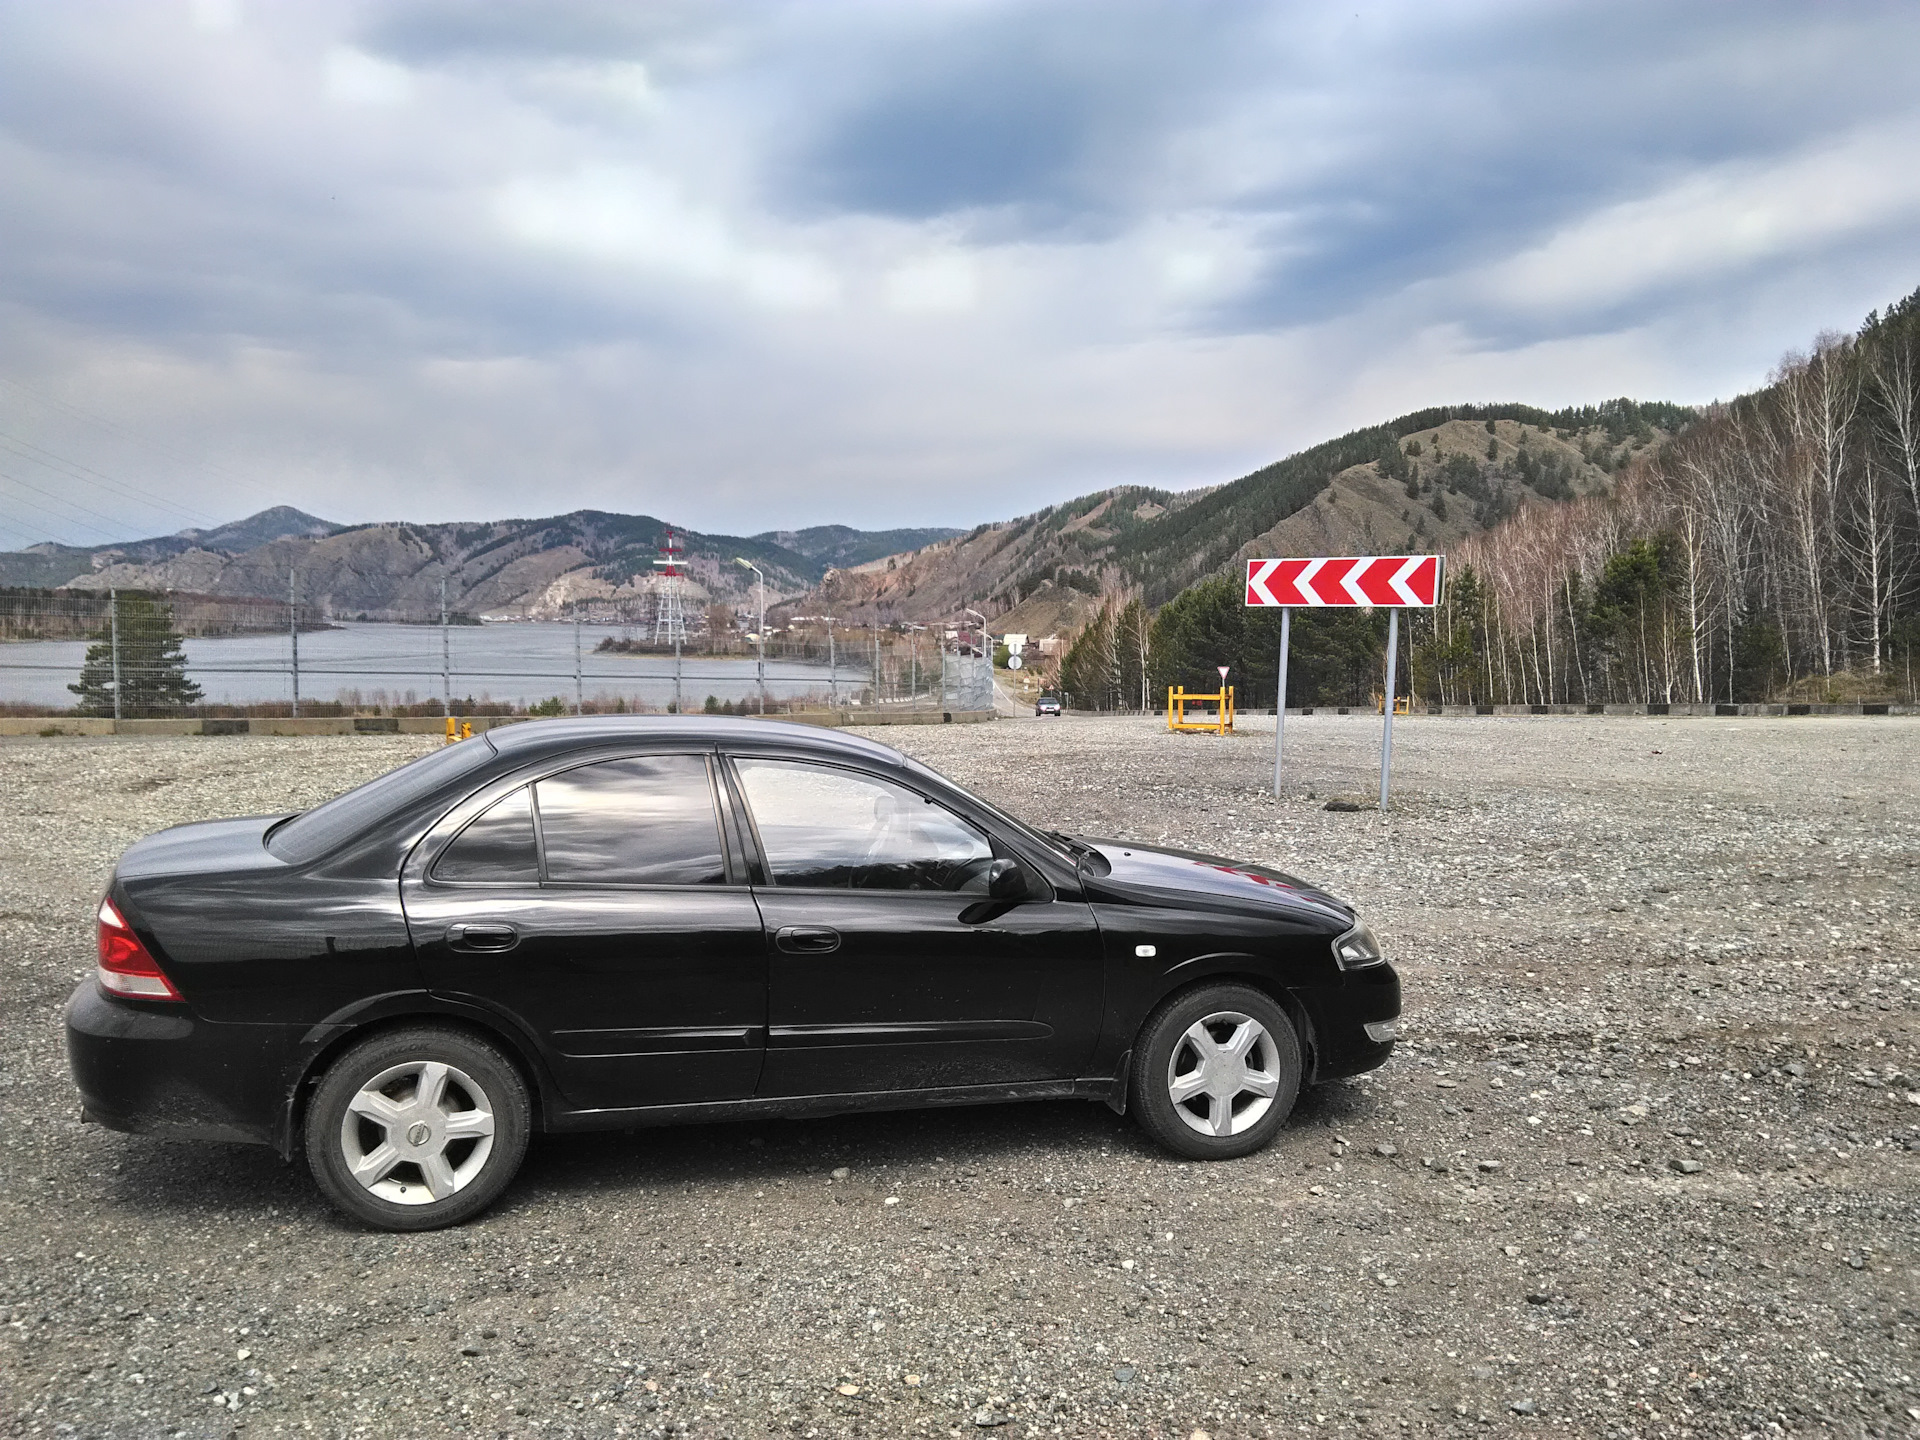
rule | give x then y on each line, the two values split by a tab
1354	1021
157	1070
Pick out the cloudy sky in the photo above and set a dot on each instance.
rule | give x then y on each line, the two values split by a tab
756	265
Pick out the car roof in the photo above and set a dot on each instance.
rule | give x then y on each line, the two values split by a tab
527	740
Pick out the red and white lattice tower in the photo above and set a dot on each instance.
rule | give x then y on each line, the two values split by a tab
669	613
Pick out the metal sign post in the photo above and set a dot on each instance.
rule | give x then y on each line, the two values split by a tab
1386	735
1390	582
1280	698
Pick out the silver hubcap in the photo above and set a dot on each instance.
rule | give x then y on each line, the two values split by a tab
1223	1074
417	1132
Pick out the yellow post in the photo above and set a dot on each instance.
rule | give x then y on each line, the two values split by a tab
452	733
466	730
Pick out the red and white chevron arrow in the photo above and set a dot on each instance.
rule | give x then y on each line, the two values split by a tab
1389	581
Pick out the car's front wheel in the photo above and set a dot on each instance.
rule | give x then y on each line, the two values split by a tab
1215	1072
418	1128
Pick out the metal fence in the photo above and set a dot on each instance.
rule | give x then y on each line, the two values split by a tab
254	656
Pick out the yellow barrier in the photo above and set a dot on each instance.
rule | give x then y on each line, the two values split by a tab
458	729
1178	698
1402	705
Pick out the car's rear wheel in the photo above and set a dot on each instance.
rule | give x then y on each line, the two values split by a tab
418	1128
1215	1072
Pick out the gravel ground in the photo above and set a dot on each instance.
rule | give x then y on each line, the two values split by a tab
1646	1166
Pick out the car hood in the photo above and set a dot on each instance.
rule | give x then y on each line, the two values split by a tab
1188	877
202	848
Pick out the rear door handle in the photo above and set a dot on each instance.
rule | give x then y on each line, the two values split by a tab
807	939
491	937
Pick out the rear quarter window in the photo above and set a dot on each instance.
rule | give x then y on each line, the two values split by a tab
325	828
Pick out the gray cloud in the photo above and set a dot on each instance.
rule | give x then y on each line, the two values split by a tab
791	263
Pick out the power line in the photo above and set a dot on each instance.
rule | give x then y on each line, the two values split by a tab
75	504
55	461
59	519
77	413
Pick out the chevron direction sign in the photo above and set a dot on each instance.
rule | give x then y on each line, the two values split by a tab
1396	582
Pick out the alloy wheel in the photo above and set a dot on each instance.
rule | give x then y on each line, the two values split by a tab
417	1132
1223	1074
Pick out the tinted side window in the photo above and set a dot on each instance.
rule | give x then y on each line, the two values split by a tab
325	828
496	847
644	821
827	827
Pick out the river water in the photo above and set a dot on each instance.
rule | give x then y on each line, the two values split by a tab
400	664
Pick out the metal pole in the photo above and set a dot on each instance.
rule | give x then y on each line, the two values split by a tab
679	705
833	670
876	664
579	689
446	655
293	637
1280	700
1386	737
763	639
113	621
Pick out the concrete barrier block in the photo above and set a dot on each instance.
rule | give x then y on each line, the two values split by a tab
54	724
156	727
303	725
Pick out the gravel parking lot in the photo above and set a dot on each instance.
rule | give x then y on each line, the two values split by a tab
1647	1165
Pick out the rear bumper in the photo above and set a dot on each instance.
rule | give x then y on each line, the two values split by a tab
1341	1014
156	1070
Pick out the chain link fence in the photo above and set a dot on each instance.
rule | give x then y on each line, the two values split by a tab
129	654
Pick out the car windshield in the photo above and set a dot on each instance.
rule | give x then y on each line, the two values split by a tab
325	828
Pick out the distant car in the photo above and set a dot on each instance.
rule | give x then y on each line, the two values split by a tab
577	925
1046	705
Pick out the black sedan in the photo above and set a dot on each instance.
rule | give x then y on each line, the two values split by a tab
590	924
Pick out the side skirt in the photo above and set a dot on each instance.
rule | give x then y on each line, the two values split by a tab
1093	1088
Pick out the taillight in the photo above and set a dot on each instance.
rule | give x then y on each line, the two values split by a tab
126	968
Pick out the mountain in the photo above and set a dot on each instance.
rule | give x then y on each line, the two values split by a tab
269	525
394	571
50	565
838	546
1424	481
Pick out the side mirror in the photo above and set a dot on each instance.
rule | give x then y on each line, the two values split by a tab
1007	880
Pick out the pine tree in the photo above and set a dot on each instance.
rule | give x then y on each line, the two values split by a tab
153	669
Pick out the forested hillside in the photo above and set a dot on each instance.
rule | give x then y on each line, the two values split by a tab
1426	480
1773	548
1770	550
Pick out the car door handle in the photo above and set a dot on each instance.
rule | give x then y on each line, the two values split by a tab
807	939
489	938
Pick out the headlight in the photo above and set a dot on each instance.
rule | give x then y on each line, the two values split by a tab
1357	949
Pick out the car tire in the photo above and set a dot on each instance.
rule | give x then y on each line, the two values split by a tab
419	1128
1215	1072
